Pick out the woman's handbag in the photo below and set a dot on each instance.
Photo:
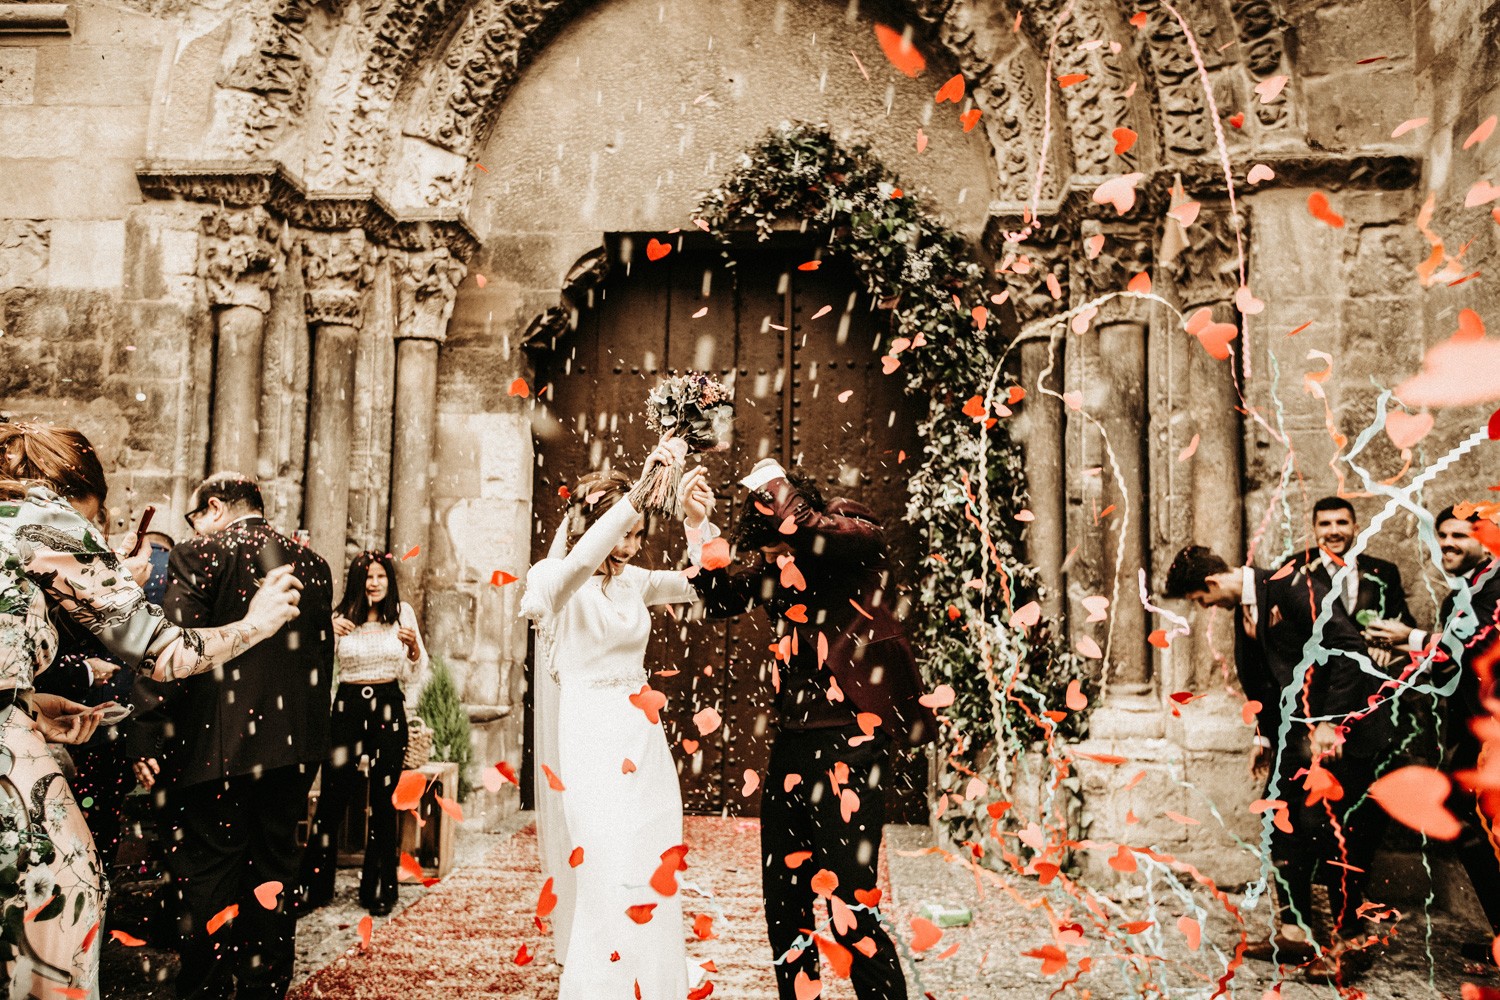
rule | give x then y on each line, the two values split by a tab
418	743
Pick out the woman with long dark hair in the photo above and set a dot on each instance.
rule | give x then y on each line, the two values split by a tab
54	564
379	648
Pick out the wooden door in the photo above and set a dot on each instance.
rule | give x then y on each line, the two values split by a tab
831	411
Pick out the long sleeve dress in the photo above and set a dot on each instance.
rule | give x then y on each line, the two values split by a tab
620	794
52	562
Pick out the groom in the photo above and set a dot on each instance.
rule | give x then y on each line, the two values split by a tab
847	686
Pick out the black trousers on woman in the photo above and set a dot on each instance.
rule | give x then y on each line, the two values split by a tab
809	817
369	720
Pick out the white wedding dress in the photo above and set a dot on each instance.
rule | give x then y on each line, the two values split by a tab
591	647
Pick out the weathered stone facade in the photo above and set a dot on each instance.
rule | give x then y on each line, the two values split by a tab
306	239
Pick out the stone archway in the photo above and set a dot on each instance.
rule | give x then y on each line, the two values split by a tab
359	130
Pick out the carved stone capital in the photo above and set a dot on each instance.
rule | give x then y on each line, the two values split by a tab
216	182
1125	253
1205	265
337	268
426	286
241	256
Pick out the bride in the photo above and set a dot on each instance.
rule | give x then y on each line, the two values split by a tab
616	841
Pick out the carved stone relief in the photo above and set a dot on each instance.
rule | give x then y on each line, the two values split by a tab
426	286
241	256
337	268
1261	34
274	75
24	247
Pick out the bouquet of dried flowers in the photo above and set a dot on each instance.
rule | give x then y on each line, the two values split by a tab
697	410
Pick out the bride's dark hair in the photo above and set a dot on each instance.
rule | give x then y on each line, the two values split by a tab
591	499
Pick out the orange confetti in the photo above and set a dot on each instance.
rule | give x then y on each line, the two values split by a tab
969	119
520	388
500	578
1318	207
703	927
900	51
523	956
1192	930
1481	133
553	781
1119	192
1414	796
128	940
409	789
546	900
1124	139
649	701
1069	79
453	809
1407	126
266	893
640	913
811	265
716	553
953	90
575	857
796	858
824	882
656	249
223	917
1075	699
924	934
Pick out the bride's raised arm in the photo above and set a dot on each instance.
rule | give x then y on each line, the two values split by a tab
551	582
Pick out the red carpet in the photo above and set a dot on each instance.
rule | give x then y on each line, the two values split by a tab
461	939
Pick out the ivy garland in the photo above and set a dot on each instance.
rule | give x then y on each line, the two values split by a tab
921	270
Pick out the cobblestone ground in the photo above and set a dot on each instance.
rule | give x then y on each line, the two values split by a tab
986	959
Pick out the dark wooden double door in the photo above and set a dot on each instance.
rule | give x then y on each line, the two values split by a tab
799	347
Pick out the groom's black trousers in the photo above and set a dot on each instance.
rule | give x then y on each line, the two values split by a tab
809	817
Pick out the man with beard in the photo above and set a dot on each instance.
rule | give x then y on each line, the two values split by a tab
1372	589
842	658
1469	623
1338	748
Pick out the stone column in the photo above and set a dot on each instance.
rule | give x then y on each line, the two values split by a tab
1113	433
337	269
1041	421
1197	398
1046	538
427	285
1122	362
240	261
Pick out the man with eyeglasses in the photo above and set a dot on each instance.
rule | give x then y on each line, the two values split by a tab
236	749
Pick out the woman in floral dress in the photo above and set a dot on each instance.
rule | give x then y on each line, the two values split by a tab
54	562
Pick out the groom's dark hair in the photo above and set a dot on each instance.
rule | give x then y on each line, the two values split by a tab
756	526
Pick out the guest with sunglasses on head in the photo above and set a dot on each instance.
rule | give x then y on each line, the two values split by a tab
379	648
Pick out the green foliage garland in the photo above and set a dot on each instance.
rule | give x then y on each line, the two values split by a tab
920	269
440	707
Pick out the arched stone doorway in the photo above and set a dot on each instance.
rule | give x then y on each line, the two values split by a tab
799	346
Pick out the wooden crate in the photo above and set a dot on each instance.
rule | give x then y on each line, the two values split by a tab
430	842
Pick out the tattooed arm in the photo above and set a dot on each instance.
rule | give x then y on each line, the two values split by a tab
83	578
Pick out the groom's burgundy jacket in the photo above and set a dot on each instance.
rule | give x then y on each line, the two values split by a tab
840	553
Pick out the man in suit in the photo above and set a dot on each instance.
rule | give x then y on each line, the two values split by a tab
1372	589
842	658
1468	626
1334	758
236	749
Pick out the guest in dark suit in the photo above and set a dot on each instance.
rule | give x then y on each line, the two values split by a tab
846	656
1275	616
236	749
1373	589
1468	625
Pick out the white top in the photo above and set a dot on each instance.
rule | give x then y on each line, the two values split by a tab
372	653
596	632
